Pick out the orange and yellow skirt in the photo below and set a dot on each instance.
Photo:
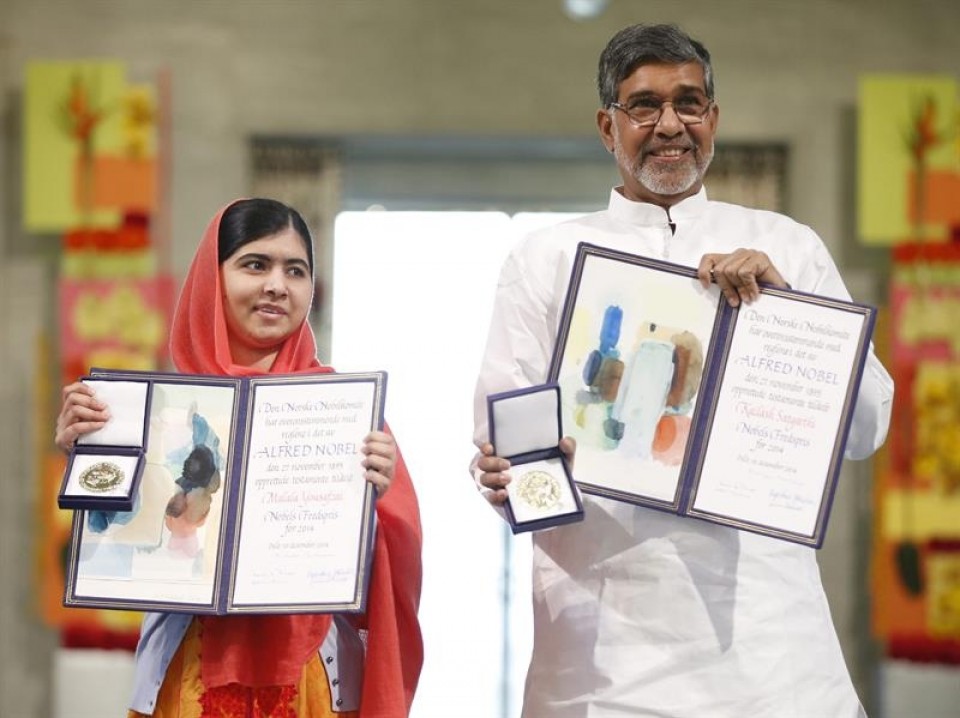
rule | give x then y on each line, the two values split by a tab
183	694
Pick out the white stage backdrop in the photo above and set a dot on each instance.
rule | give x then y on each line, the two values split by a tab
412	295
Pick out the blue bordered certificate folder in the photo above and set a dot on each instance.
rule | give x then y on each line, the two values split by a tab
682	403
526	428
251	499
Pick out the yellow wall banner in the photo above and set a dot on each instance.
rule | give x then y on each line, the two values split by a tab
89	146
908	158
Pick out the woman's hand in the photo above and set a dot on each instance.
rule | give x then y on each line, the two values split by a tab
80	414
495	468
380	459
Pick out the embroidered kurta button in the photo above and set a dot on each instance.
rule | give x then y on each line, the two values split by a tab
339	702
329	659
335	681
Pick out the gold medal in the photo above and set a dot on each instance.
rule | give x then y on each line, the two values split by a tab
101	477
539	489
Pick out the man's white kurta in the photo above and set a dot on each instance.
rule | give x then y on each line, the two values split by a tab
639	612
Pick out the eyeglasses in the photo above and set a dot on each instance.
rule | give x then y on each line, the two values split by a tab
646	112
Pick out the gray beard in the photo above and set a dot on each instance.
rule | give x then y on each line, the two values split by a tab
667	181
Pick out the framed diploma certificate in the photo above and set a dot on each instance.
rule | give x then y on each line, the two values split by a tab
682	403
251	497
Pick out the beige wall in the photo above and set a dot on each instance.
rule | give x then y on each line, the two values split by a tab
786	71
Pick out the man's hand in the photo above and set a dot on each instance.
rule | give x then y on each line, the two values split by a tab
495	468
739	274
494	476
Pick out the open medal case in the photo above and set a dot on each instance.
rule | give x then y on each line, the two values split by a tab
525	428
105	466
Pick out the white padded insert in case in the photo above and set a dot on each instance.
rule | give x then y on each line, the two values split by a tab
127	401
527	422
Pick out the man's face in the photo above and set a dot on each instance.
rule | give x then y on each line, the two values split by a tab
663	163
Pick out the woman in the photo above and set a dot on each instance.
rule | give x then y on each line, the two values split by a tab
242	312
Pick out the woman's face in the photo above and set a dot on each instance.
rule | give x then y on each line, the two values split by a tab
267	289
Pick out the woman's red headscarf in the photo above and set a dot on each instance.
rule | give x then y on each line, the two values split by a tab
272	650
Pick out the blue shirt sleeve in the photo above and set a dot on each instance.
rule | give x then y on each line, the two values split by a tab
160	637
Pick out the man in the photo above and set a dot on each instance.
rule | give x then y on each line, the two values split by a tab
639	612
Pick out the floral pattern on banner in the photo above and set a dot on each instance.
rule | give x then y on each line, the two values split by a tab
916	563
94	152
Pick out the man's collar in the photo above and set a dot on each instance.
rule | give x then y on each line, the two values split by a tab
645	214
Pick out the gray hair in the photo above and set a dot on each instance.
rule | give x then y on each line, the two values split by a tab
643	44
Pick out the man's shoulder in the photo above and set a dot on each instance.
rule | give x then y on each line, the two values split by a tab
573	223
759	221
571	229
732	209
